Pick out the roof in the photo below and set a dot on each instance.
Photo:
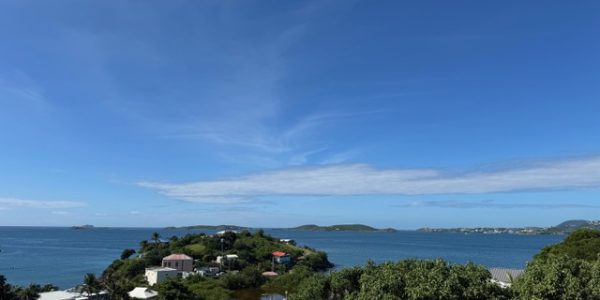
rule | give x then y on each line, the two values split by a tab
279	253
269	273
58	295
501	274
142	293
64	295
177	257
161	269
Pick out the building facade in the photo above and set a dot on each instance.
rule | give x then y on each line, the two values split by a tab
179	262
159	274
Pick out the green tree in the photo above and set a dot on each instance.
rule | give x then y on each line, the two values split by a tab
314	287
91	285
156	237
6	290
567	270
127	253
174	289
30	292
557	277
345	282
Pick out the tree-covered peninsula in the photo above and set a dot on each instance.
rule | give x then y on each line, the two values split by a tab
252	267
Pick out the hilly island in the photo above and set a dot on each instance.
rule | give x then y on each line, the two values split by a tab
308	227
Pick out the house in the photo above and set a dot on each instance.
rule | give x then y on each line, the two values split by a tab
142	293
226	258
159	274
288	241
281	257
209	272
180	262
72	294
504	277
223	232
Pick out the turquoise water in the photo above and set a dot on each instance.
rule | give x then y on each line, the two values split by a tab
63	255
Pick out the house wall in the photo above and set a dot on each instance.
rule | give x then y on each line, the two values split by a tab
184	265
283	259
158	276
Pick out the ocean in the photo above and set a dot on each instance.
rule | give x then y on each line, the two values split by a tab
62	256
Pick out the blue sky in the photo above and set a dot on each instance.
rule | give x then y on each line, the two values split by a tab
281	113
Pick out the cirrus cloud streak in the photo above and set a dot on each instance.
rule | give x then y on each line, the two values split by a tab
14	202
359	179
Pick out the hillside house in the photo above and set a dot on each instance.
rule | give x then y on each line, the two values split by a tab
179	262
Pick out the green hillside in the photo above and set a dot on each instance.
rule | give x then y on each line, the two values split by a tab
342	227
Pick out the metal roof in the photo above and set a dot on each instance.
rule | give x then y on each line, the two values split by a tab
177	257
502	274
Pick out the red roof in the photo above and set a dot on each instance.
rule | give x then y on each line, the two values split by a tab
178	257
279	253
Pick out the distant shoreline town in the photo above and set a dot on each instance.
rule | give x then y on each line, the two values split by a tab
560	229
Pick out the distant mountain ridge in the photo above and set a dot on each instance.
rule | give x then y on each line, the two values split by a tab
565	227
308	227
212	227
341	227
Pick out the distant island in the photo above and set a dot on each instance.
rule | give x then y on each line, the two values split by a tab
342	227
87	226
562	228
211	227
308	227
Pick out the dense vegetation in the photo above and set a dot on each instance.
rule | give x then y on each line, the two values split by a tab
406	279
568	270
255	257
30	292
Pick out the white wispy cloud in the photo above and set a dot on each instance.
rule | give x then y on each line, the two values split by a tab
492	204
14	202
352	180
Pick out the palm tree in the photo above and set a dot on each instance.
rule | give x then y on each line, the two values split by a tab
91	285
6	290
143	245
156	237
29	293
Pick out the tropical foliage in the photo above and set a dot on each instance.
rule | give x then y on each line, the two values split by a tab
254	251
30	292
568	270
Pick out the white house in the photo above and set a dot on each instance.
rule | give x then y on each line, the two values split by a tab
223	232
228	257
142	293
159	274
